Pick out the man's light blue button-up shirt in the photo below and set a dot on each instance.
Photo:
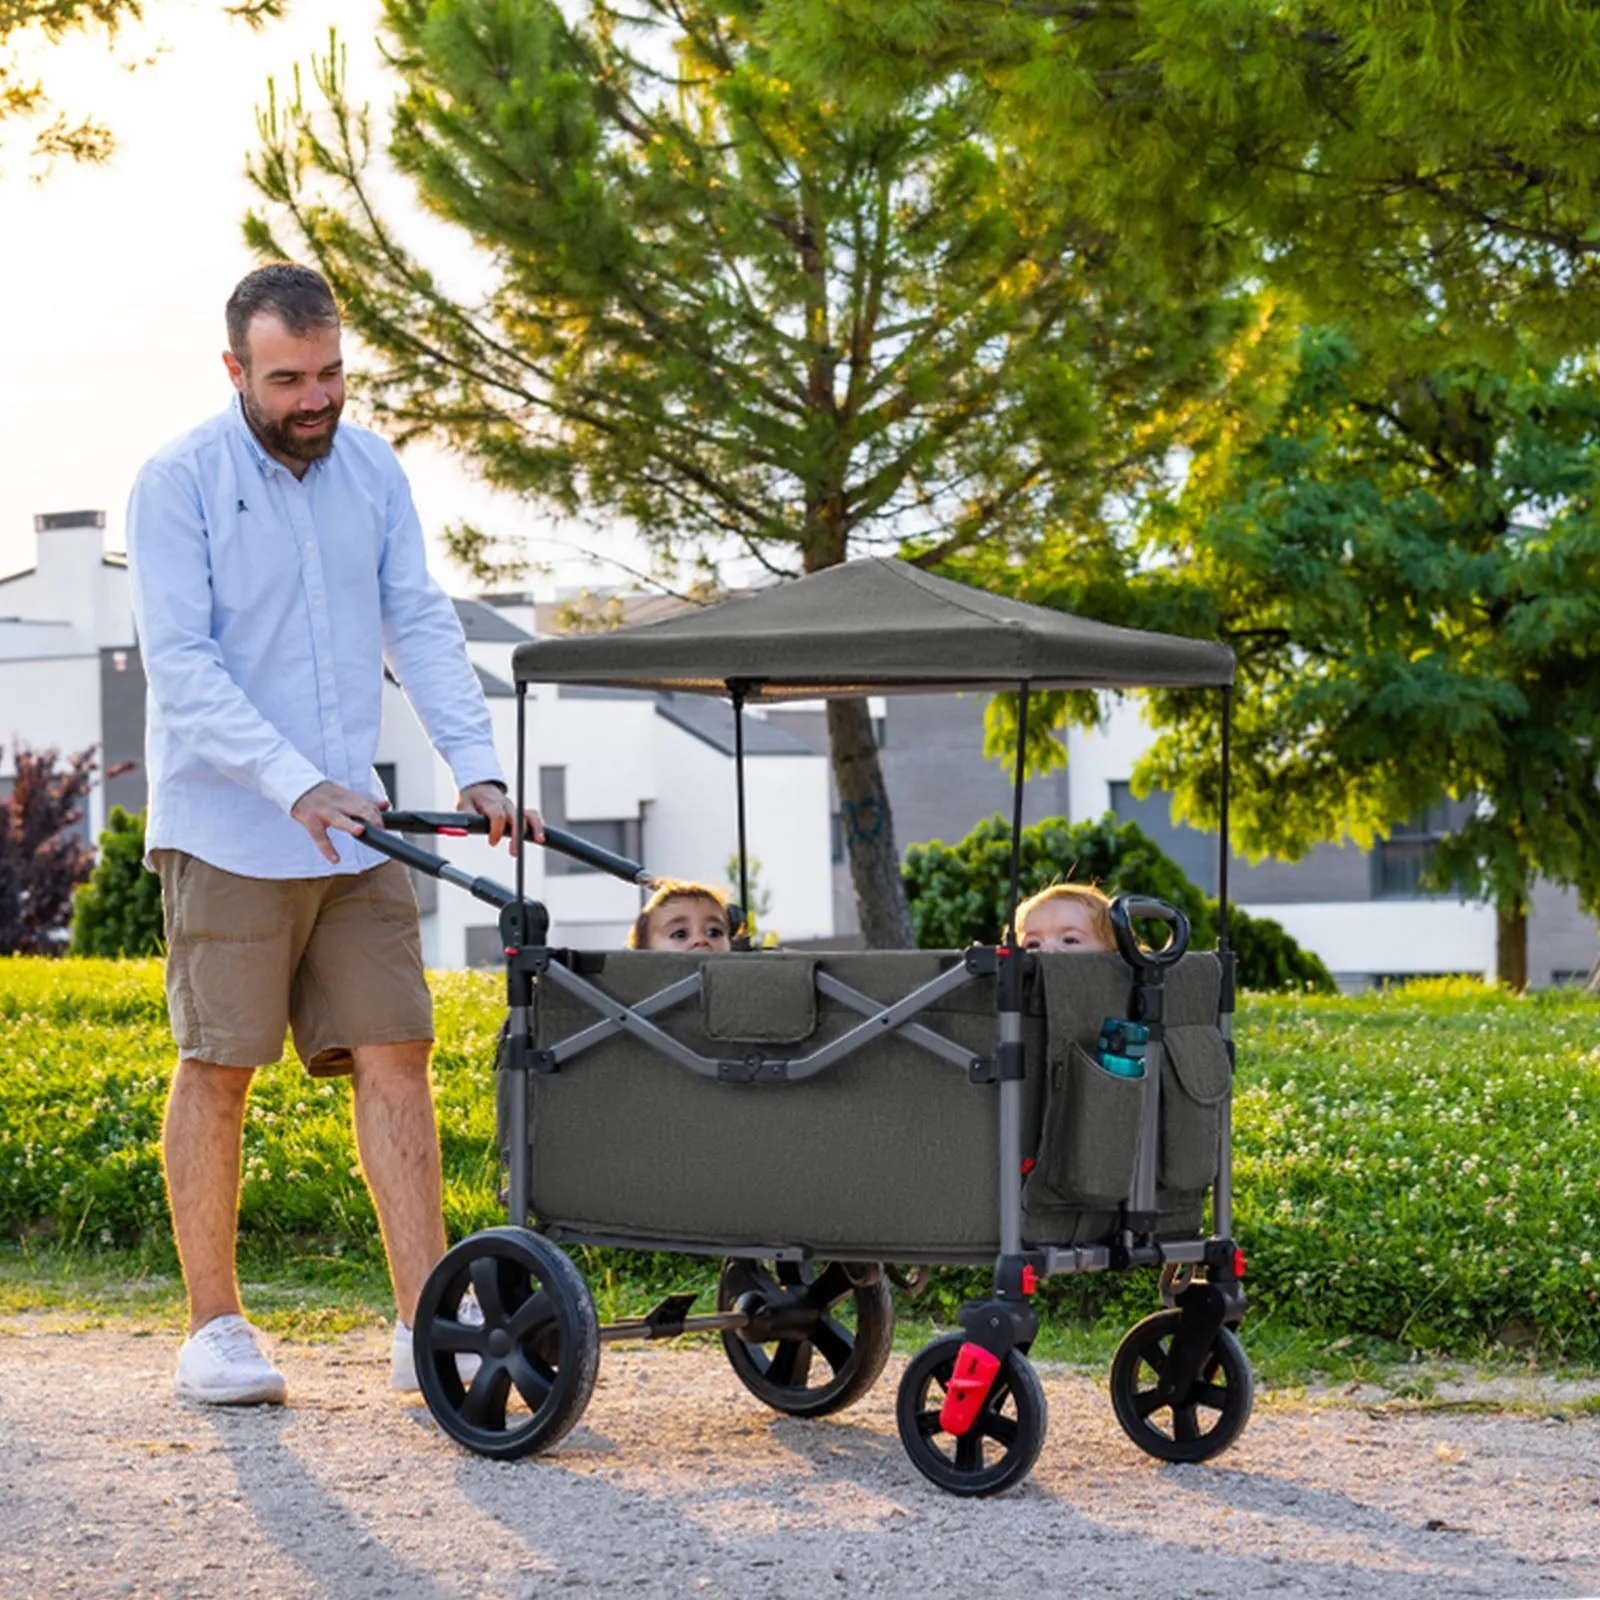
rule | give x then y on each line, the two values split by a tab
267	607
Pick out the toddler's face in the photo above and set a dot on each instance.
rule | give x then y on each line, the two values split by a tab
685	924
1063	924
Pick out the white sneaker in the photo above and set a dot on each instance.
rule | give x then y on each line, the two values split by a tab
402	1362
222	1364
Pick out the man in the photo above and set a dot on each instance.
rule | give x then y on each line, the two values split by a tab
277	566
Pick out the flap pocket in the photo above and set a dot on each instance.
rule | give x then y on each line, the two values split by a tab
1090	1137
1200	1059
759	999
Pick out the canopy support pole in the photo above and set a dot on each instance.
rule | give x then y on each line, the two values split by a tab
1222	843
737	689
521	835
1016	811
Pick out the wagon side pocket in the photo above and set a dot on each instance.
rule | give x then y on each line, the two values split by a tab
1194	1083
1090	1135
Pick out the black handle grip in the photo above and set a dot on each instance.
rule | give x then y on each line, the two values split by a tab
413	855
1128	906
558	839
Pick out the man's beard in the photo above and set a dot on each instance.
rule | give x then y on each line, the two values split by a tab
283	438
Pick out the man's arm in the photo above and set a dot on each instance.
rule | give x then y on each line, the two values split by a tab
169	571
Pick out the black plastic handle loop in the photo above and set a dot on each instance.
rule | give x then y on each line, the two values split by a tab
1128	906
558	839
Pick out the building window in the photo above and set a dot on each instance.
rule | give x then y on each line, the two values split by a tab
1400	862
1194	851
619	835
385	771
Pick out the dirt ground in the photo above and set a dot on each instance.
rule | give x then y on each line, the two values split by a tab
677	1482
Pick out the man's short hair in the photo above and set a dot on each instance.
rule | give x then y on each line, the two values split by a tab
297	296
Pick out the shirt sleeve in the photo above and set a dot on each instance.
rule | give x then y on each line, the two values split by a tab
169	572
425	649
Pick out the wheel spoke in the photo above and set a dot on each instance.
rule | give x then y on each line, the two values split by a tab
485	1404
830	1288
969	1452
1185	1428
1003	1430
531	1385
744	1277
486	1284
531	1315
445	1333
1155	1357
1149	1400
834	1343
1210	1395
929	1423
787	1369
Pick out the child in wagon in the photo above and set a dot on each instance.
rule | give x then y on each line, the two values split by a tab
683	916
1066	916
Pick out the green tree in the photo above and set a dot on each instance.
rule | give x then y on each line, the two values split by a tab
733	314
28	25
961	893
1388	161
118	911
1409	568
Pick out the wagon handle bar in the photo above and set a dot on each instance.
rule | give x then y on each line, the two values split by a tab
1128	906
453	823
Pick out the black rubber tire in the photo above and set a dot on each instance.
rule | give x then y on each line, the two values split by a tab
778	1371
999	1450
539	1343
1200	1424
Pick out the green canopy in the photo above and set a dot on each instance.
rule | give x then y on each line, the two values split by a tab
873	627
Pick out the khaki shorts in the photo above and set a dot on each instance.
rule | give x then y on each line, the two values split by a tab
338	960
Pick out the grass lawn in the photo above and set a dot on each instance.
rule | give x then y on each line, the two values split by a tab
1416	1174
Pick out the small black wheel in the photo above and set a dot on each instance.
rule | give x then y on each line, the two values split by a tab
511	1299
1194	1426
801	1310
1004	1441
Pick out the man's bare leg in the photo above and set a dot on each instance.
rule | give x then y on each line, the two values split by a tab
399	1144
201	1142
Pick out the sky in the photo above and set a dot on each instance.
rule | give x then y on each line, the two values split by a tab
113	278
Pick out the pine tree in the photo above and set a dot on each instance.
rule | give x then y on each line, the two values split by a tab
729	313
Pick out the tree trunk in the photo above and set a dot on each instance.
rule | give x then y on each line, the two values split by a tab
1511	945
868	828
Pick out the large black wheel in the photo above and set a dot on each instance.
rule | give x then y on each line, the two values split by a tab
819	1334
533	1330
1005	1438
1192	1426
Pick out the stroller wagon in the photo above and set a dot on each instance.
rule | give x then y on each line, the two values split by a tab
811	1118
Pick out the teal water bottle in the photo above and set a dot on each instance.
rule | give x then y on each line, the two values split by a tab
1121	1047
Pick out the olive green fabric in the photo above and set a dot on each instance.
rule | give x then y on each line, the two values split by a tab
867	627
890	1153
759	998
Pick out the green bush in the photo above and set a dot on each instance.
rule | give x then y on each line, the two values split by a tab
1416	1164
961	893
118	911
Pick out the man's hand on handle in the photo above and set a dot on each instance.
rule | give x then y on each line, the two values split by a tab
331	805
491	801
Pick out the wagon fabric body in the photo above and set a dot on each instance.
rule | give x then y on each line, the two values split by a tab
888	1154
815	1118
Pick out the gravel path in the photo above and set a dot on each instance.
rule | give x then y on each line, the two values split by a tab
678	1483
